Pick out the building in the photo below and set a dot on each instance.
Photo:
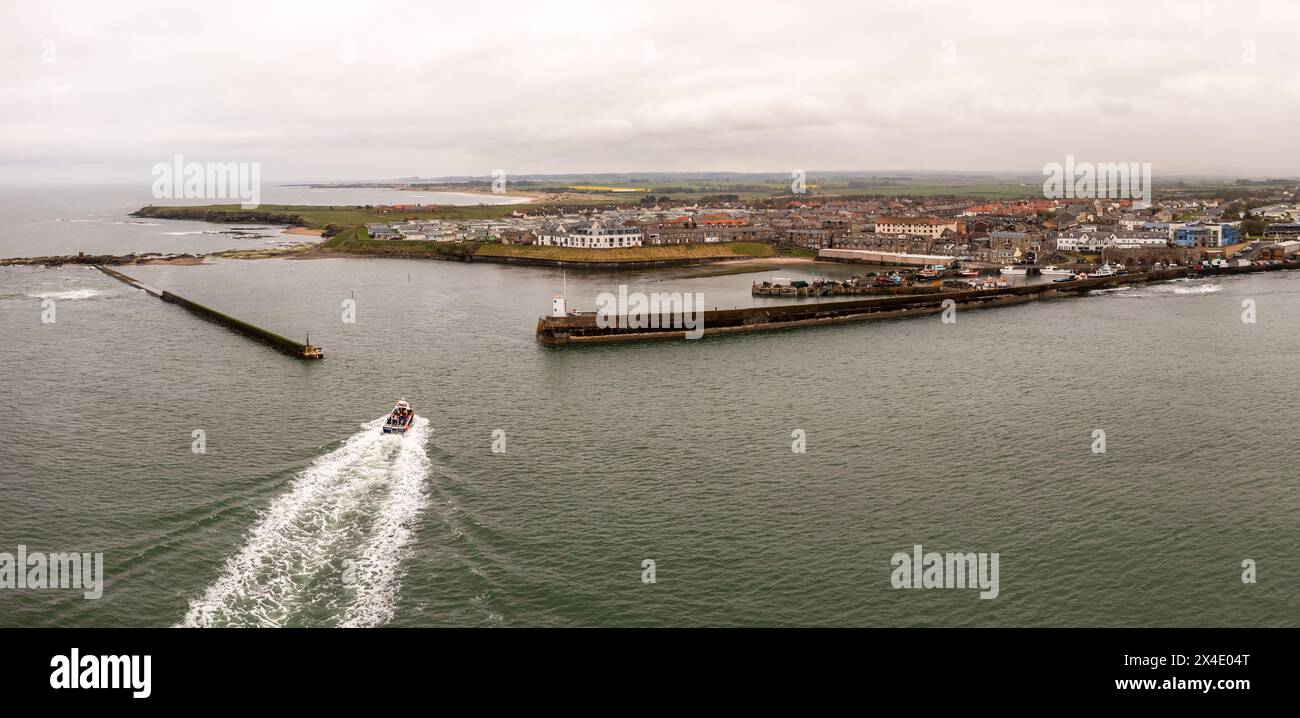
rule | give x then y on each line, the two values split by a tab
1205	235
1281	250
1138	240
1094	241
589	234
932	227
1282	230
382	231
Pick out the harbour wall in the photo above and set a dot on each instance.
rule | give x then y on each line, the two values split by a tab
288	346
583	328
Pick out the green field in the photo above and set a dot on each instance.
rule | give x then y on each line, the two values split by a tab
354	240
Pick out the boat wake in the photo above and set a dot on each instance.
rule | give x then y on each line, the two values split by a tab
329	551
1163	290
72	294
1197	289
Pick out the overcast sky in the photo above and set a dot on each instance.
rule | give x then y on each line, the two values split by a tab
350	90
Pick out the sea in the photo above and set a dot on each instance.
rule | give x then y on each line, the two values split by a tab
1128	455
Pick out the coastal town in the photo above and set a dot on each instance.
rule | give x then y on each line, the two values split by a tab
901	230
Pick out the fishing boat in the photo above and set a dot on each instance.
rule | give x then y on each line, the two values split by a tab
1018	271
969	273
1052	269
401	419
1104	270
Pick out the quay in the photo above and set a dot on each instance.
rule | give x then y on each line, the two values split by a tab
583	329
828	289
276	341
871	256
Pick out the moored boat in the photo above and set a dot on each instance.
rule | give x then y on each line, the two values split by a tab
1104	270
1052	269
1009	269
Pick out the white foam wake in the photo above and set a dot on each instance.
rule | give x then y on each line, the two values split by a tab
70	294
330	550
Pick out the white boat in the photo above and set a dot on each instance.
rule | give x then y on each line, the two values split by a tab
1009	269
1104	271
1054	270
400	419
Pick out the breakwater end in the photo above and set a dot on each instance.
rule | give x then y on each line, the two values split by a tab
100	260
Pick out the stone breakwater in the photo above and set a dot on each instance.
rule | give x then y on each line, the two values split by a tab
584	328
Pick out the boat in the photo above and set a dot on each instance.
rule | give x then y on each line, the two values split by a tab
1002	283
928	274
400	419
1052	269
1062	280
1104	271
969	273
1009	269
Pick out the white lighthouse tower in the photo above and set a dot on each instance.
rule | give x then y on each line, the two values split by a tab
558	309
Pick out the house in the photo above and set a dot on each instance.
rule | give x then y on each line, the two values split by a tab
1094	241
1282	230
1205	234
381	231
932	227
589	234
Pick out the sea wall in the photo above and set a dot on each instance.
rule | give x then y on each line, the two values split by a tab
583	328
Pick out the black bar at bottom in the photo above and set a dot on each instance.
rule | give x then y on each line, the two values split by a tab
937	667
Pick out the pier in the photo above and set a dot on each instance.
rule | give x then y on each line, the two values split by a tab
831	288
583	328
288	346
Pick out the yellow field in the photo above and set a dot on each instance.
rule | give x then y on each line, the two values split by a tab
725	250
597	188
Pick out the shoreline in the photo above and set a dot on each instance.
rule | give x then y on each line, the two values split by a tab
522	197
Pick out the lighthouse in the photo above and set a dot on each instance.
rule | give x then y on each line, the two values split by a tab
557	302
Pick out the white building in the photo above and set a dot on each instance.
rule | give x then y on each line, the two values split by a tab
915	226
593	234
1138	241
1096	241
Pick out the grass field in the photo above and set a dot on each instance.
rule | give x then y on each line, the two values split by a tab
355	240
725	250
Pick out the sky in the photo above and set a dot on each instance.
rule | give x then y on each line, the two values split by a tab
330	90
